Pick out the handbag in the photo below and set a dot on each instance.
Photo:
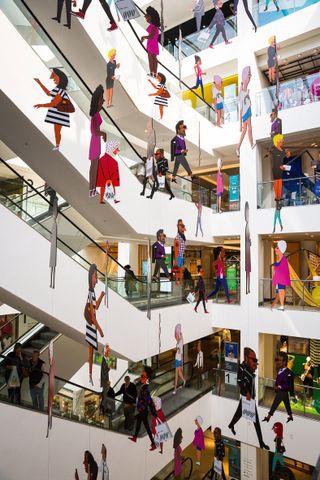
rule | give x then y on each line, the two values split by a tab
14	380
65	106
161	181
163	432
282	448
87	314
191	297
204	36
109	192
165	94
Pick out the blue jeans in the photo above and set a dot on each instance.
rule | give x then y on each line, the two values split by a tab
219	282
199	83
277	457
37	397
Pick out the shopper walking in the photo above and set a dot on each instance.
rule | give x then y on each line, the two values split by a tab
96	134
36	380
219	21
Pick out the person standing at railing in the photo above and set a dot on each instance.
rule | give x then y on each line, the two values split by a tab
245	113
217	98
284	387
96	134
201	288
281	275
36	380
179	150
153	18
279	447
198	71
219	267
219	21
219	454
198	11
129	391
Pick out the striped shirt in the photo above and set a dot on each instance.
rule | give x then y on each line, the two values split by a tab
182	245
91	331
53	115
159	100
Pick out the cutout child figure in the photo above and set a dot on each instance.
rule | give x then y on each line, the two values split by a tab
277	216
219	454
272	60
161	94
201	288
160	418
179	248
281	275
198	440
279	447
178	358
112	65
245	109
104	4
220	186
178	457
219	21
159	253
284	387
198	71
144	404
247	248
246	381
60	107
198	204
217	98
90	309
95	142
152	17
108	177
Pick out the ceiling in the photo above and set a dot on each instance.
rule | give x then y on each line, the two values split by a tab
298	65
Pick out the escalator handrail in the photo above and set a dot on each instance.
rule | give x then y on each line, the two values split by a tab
207	474
168	69
183	461
66	218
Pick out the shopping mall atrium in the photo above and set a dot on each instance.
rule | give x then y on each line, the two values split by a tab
160	239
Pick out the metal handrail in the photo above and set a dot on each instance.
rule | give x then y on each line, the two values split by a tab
183	461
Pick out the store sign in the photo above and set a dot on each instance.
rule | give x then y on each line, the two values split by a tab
127	9
234	188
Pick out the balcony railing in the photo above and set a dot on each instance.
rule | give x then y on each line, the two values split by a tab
292	93
301	295
295	192
286	7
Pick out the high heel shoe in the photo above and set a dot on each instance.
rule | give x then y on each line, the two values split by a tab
290	419
266	419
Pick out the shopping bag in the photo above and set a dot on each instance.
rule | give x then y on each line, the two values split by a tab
191	297
14	381
217	466
149	167
204	36
248	409
161	181
109	192
163	432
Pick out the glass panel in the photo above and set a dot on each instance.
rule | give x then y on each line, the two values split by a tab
14	328
292	93
296	192
305	401
301	295
265	12
225	384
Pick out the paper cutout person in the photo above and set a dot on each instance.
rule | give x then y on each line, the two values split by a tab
112	65
281	275
53	244
278	164
272	59
96	135
277	216
104	4
178	457
245	5
246	381
284	387
247	248
279	447
92	325
178	358
152	17
199	73
161	94
201	288
199	365
219	21
198	439
198	205
108	177
245	109
220	187
179	248
219	454
159	254
199	12
68	11
217	98
179	150
155	421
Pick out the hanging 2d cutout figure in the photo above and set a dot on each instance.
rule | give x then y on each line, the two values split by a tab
161	94
108	177
86	4
179	150
281	275
199	73
178	457
201	288
95	142
68	11
278	155
245	5
159	426
152	17
159	256
178	358
198	439
179	248
247	248
53	243
272	60
219	21
92	325
284	387
279	446
220	187
277	216
217	98
247	407
60	107
112	65
245	109
90	467
198	205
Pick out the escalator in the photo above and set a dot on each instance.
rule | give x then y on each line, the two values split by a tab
67	171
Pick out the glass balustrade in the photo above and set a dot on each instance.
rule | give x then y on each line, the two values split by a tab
305	401
225	383
266	11
292	93
295	192
300	295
